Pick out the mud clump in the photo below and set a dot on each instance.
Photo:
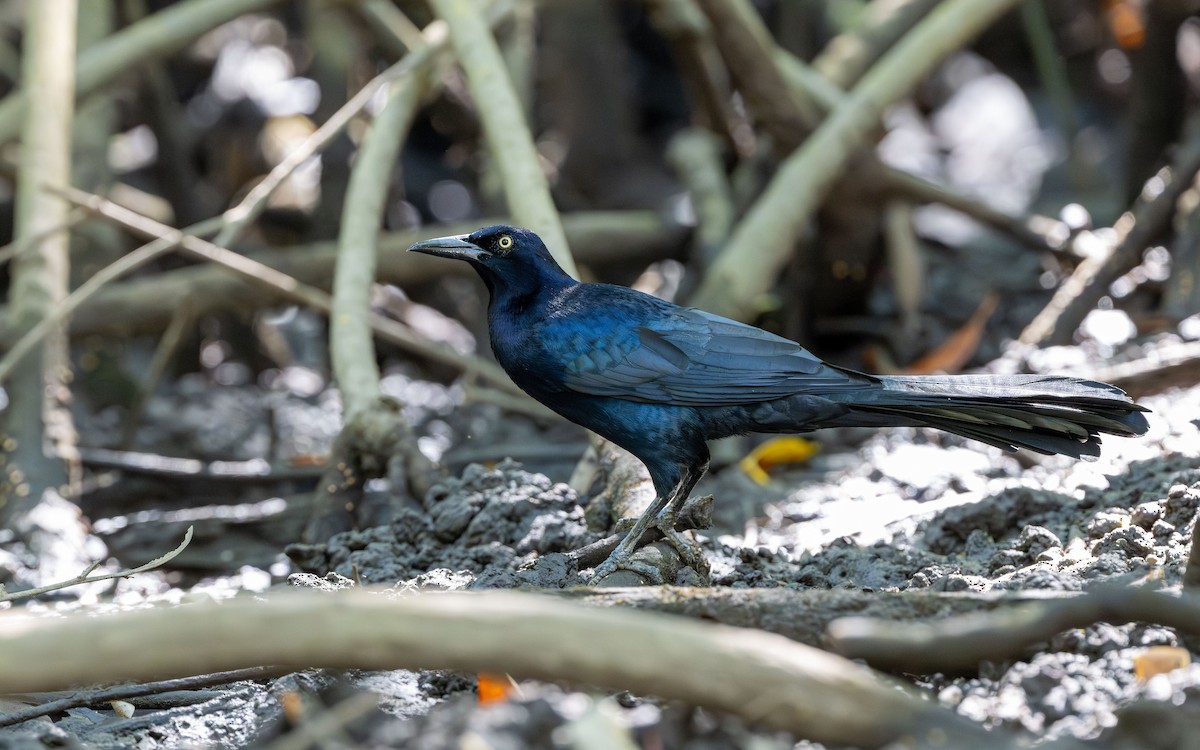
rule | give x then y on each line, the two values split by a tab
488	527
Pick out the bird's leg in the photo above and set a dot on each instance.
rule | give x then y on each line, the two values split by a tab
661	515
688	550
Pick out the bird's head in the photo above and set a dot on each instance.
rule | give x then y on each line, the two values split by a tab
511	260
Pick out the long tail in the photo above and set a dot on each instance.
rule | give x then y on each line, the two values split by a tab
1045	414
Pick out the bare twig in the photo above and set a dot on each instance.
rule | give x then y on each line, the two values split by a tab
83	698
62	312
263	276
86	577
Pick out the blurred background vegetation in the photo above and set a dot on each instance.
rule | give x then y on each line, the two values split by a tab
899	184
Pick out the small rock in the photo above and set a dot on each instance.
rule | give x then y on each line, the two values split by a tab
1145	514
1107	520
1132	541
1037	539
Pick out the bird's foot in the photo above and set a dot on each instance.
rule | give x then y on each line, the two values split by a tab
689	551
621	558
652	574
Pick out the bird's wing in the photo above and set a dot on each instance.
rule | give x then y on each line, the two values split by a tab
689	357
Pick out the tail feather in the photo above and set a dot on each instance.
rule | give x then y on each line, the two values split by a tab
1044	414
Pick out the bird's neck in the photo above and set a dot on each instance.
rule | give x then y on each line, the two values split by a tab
512	297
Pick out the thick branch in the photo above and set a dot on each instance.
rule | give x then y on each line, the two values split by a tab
763	241
761	677
38	419
960	643
510	143
351	343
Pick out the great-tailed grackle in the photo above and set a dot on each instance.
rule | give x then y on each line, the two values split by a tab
660	380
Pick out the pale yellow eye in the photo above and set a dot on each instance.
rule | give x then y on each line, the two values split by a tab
505	242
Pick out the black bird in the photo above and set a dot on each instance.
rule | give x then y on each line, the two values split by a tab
660	380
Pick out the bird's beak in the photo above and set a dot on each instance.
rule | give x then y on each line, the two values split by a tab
455	246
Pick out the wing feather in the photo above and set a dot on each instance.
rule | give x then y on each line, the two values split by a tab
692	358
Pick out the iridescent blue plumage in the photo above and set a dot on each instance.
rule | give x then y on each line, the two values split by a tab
660	380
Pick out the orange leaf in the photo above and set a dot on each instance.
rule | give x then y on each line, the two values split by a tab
1125	22
954	353
494	688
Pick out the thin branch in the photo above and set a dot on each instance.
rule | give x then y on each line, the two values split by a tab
265	277
351	345
416	63
762	242
86	577
85	698
126	264
509	141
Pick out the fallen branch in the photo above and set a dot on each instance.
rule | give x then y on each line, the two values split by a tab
760	677
959	643
799	615
82	698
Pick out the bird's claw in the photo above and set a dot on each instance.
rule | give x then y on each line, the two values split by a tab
689	551
609	566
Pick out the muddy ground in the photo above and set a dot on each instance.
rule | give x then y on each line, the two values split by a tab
891	510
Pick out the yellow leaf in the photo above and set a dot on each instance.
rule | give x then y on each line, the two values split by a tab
1160	660
776	452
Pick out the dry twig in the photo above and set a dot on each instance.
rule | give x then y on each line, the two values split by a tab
87	577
